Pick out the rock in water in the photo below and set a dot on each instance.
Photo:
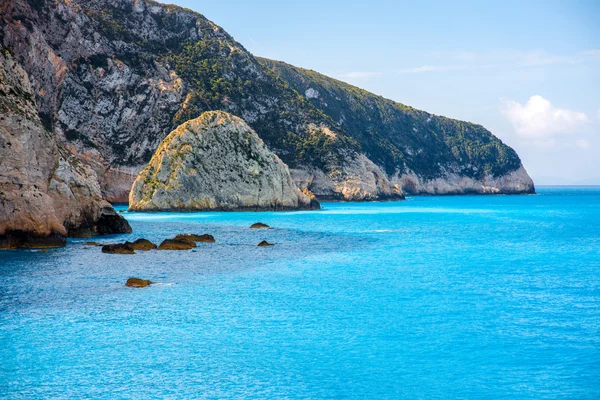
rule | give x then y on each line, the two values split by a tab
172	244
215	162
120	248
206	238
138	283
142	245
264	243
259	225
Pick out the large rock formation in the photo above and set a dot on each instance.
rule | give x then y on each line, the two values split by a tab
405	148
216	162
112	78
45	192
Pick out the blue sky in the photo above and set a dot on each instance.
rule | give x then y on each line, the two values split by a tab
527	70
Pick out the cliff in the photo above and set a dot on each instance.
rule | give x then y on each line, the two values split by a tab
216	162
45	192
112	78
420	152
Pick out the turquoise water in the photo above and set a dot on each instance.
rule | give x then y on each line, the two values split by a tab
433	297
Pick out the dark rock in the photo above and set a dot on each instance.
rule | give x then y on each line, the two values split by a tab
119	248
259	225
110	222
172	244
206	238
28	240
138	283
92	244
142	244
264	243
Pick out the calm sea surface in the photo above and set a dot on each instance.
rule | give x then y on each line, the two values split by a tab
433	297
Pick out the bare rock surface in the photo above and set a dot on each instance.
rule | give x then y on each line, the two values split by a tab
215	162
45	192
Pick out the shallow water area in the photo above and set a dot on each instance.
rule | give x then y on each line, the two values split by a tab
433	297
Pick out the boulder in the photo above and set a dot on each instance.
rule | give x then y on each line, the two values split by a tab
264	243
142	245
206	238
215	162
119	248
259	225
138	283
172	244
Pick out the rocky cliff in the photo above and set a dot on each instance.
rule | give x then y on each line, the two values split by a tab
216	162
45	192
112	78
420	152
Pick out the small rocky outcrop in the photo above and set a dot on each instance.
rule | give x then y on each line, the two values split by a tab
215	162
206	238
118	248
259	225
142	245
173	244
264	243
138	283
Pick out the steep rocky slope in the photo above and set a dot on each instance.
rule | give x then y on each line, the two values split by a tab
216	162
422	152
45	193
111	78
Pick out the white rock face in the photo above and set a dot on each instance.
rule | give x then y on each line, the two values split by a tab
514	182
311	93
216	162
359	180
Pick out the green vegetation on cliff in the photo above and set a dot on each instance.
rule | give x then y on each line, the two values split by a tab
394	135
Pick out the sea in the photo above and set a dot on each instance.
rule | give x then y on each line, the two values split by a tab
470	297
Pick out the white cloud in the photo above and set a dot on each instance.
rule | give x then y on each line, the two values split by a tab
428	68
358	74
582	144
539	119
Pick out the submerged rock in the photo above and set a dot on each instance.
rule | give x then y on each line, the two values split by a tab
173	244
264	243
259	225
138	283
119	248
216	162
92	244
206	238
142	245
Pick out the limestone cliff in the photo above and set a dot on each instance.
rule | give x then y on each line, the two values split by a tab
112	78
216	162
45	193
419	152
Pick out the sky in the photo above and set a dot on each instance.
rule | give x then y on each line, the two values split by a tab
529	71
